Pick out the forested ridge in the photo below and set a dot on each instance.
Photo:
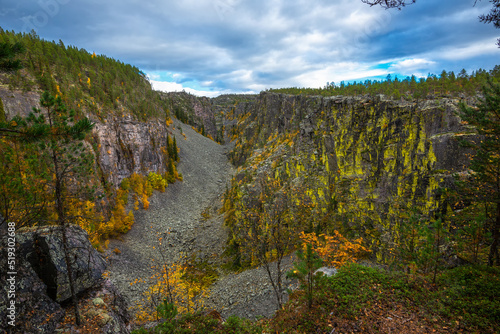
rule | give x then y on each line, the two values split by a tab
95	84
77	85
446	84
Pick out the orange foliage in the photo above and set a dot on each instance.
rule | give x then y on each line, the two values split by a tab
145	202
335	250
172	282
85	215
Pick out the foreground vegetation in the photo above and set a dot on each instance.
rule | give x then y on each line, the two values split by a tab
369	300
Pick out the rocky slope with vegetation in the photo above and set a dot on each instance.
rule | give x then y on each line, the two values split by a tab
130	134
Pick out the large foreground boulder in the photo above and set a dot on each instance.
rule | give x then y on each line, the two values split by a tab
34	280
34	311
43	249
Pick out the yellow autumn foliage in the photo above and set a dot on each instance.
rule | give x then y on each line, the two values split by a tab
171	283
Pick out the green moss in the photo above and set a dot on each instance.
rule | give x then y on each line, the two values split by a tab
376	162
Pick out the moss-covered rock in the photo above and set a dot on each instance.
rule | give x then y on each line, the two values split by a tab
363	163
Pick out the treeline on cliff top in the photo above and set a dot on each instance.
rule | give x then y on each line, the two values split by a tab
90	83
447	84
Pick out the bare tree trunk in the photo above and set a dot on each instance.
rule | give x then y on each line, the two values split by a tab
494	256
63	224
279	280
310	280
275	283
436	259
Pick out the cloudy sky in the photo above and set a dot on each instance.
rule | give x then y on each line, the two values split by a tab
210	47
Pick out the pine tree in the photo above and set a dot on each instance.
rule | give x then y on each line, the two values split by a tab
65	155
8	53
483	185
175	151
170	171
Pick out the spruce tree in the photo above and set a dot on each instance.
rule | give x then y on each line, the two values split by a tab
483	184
304	270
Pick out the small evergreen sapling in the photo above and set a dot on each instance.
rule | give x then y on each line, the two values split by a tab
304	269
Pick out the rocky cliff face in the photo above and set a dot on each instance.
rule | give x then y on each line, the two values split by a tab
213	114
123	145
17	102
361	163
225	108
197	111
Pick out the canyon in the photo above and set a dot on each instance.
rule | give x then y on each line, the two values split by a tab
375	156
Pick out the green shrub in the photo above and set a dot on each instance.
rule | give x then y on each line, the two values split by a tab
157	181
236	325
472	293
125	184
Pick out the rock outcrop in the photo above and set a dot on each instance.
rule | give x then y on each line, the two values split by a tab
17	102
104	311
126	146
40	281
43	249
34	311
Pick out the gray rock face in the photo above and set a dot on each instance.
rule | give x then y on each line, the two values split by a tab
123	144
43	249
377	155
327	271
33	306
18	103
127	146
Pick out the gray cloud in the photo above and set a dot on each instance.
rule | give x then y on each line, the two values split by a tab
241	45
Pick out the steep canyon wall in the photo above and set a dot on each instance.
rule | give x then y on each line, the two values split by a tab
362	163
